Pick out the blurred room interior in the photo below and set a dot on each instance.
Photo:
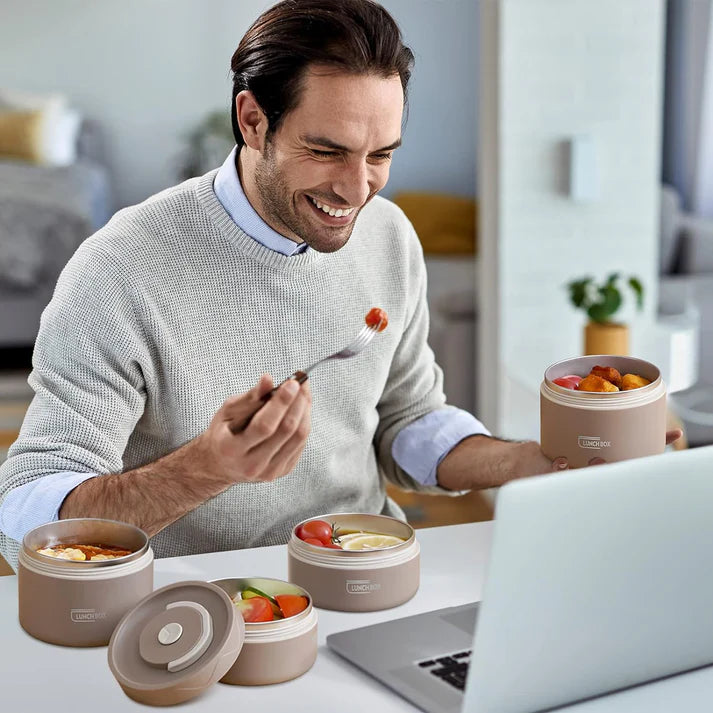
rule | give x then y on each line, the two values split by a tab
546	140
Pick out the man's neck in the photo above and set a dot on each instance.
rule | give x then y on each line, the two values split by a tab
252	194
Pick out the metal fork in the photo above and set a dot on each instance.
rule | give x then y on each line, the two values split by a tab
357	345
360	342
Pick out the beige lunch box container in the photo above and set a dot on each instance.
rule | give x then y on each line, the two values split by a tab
613	426
273	651
78	603
357	580
183	638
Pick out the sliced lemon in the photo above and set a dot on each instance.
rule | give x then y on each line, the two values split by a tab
371	542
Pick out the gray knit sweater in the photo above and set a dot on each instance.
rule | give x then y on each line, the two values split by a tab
170	309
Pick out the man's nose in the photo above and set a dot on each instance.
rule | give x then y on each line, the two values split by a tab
352	183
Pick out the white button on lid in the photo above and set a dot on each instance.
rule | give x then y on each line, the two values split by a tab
170	633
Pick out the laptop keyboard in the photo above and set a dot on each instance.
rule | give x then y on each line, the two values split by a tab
451	668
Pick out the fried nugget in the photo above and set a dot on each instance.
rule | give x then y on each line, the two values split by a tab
596	383
609	373
633	381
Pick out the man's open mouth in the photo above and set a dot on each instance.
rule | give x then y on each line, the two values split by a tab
330	214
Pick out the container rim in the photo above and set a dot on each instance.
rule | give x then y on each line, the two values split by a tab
585	363
79	531
356	554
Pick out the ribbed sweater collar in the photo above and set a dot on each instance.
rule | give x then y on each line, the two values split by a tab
249	247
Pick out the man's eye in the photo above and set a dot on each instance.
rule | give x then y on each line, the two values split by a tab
382	156
323	154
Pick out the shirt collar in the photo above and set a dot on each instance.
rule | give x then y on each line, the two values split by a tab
230	193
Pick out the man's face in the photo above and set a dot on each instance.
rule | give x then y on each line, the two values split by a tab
329	157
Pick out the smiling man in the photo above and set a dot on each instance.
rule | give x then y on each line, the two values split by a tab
157	350
330	158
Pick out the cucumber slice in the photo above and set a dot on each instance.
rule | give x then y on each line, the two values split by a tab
251	592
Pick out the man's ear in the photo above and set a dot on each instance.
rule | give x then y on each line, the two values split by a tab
251	120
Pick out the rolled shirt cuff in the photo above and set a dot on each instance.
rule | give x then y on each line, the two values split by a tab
419	448
37	502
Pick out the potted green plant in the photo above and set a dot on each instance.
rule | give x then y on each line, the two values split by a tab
207	145
601	301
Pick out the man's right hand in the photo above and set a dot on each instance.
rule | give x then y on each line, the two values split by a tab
253	440
248	440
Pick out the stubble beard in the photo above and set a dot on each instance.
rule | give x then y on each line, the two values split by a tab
275	198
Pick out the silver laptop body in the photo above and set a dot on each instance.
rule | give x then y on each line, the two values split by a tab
599	579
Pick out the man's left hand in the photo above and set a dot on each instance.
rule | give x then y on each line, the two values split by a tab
561	463
485	462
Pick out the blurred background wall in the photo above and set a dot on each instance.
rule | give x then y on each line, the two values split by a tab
150	70
561	76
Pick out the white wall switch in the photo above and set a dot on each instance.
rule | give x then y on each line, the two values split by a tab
583	174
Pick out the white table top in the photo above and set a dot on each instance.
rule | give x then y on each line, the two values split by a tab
35	676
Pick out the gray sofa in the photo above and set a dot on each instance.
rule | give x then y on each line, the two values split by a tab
45	213
687	278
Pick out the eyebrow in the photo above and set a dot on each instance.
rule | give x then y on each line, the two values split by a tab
328	143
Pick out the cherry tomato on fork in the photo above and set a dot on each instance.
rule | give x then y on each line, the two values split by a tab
376	317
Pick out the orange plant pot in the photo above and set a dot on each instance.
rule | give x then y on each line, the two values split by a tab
606	338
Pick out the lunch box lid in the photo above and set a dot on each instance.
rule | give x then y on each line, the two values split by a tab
175	643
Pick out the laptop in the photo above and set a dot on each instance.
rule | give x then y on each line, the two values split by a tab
599	578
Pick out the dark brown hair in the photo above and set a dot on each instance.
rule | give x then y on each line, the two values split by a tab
353	36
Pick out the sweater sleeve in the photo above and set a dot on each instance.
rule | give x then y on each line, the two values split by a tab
87	377
414	386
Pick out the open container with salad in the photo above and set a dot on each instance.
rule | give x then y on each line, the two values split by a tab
280	630
355	561
185	637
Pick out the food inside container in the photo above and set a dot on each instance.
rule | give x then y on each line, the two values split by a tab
256	605
83	553
602	379
320	533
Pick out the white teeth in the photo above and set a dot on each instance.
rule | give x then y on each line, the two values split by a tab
334	212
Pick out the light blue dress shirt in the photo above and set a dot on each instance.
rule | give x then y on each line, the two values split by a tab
418	448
